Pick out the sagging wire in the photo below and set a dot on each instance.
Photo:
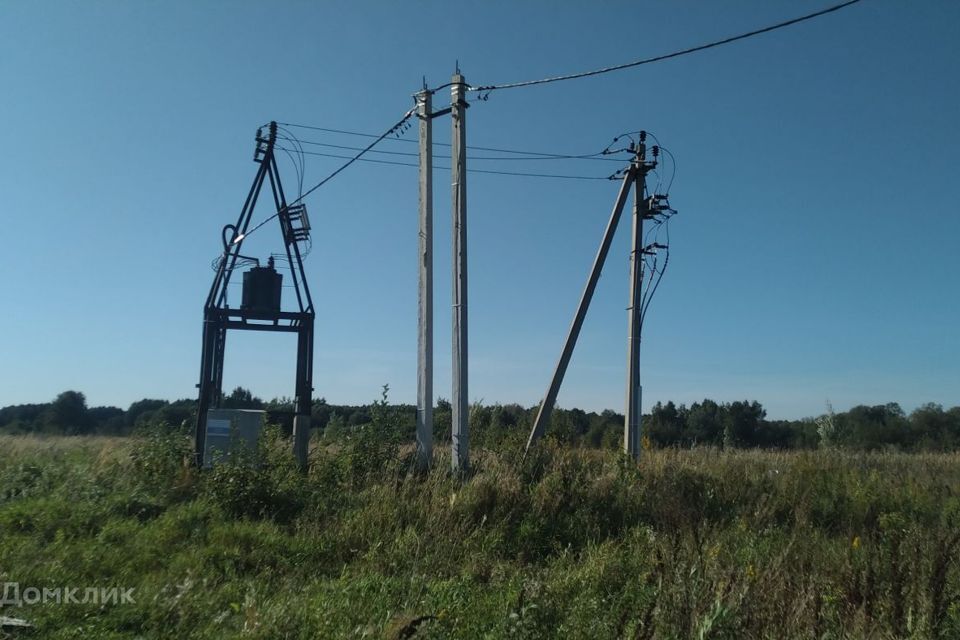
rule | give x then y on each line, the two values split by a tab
413	154
398	128
655	270
300	168
485	90
469	170
525	155
660	214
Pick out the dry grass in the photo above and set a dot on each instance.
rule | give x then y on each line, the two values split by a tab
570	543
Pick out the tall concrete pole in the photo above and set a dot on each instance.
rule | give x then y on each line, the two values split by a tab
425	298
459	400
633	413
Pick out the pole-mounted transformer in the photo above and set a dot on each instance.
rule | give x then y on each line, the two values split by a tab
260	308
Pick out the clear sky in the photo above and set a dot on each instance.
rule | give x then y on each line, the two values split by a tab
814	256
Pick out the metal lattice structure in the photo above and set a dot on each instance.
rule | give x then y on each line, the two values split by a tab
255	313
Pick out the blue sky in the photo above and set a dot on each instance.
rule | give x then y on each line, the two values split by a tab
814	256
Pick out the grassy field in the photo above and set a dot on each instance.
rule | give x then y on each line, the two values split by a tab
570	543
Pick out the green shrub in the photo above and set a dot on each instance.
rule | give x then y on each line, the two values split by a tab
567	542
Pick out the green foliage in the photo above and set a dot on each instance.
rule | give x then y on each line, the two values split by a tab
665	425
160	455
828	430
569	542
143	408
241	398
372	449
258	484
741	424
67	413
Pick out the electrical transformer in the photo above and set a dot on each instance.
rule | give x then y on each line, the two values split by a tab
230	429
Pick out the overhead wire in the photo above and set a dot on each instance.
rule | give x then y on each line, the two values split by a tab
350	160
654	269
528	155
296	167
469	170
652	285
359	155
666	56
539	154
673	160
303	161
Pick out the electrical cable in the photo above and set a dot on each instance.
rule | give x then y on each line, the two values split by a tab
541	154
673	169
660	222
673	160
303	160
413	154
333	174
667	56
649	293
489	171
296	166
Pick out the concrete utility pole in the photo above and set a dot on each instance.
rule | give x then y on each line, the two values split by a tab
546	406
425	309
633	413
459	400
635	177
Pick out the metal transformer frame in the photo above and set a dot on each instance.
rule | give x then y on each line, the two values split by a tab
219	317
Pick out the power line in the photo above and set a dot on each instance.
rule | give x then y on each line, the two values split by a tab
667	56
302	168
343	131
489	171
331	176
542	154
590	156
363	151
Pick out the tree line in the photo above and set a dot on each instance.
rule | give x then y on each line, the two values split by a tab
740	424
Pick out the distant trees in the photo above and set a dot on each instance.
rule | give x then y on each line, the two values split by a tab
743	424
869	428
739	424
666	425
21	417
67	413
705	423
936	429
140	408
179	414
107	420
241	398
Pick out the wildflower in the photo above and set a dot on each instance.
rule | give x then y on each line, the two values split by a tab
855	544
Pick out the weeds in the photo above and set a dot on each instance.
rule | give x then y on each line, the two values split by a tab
565	543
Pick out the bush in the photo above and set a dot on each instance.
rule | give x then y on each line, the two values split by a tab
568	542
265	483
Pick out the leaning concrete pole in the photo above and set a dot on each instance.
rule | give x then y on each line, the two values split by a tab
425	298
546	406
459	400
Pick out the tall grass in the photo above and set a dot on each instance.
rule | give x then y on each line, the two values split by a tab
569	543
